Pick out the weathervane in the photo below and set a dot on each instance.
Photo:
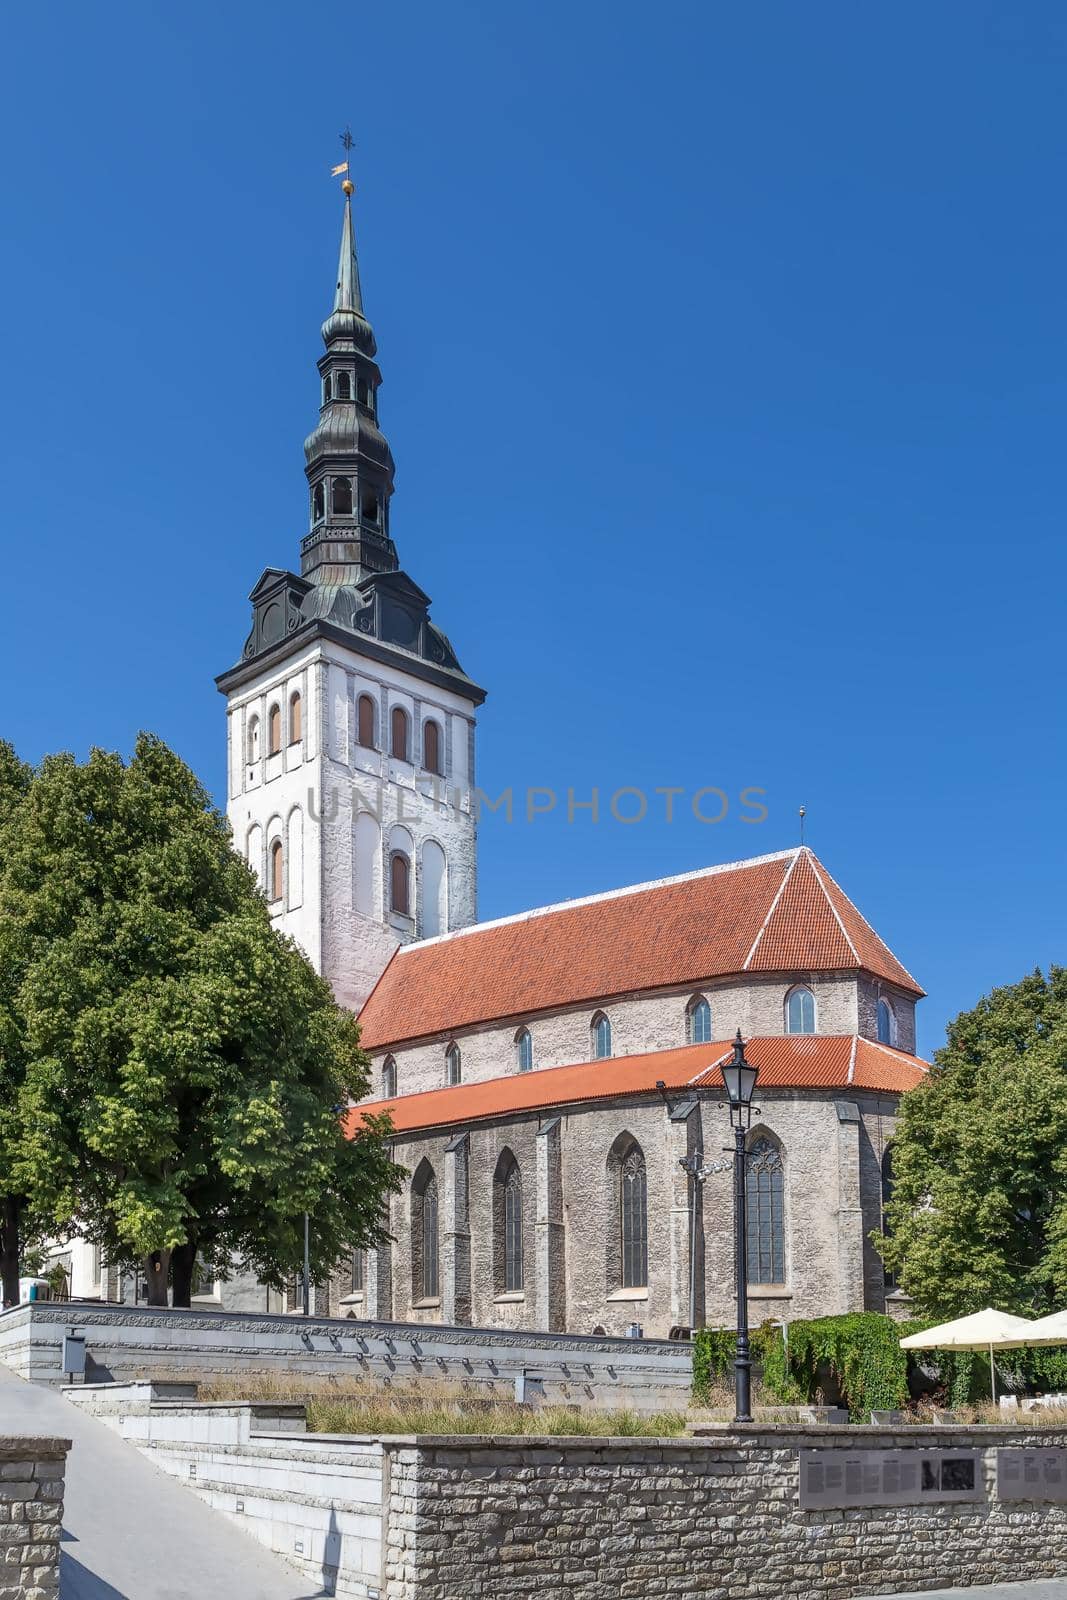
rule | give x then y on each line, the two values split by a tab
343	166
802	813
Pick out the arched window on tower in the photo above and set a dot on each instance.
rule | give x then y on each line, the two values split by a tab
318	502
389	1078
253	739
296	718
341	497
431	748
362	391
600	1030
399	727
453	1065
633	1219
327	390
507	1226
369	506
277	870
524	1050
400	883
274	730
887	1023
765	1186
800	1010
698	1021
365	721
344	386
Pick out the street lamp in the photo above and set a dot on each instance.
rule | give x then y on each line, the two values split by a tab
739	1078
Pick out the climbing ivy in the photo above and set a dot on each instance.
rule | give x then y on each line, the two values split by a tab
860	1355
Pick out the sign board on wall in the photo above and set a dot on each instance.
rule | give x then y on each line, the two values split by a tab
1039	1474
832	1479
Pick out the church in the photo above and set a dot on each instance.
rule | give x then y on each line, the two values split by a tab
552	1077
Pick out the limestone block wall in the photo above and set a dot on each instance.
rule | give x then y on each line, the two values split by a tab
639	1023
31	1515
700	1518
832	1149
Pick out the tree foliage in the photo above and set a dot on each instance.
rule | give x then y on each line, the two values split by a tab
182	1065
15	780
978	1213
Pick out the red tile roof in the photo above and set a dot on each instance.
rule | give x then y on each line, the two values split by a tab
813	1061
779	913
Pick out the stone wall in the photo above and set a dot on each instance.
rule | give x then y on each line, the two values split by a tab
696	1519
125	1343
646	1022
703	1518
832	1148
31	1514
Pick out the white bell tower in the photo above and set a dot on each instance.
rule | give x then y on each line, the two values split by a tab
351	777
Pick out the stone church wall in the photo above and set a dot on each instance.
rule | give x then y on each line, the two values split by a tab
832	1149
639	1024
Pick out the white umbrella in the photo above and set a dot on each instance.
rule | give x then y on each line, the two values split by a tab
982	1330
1046	1330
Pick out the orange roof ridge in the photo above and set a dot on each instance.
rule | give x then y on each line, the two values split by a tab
786	1061
876	936
771	909
601	895
815	865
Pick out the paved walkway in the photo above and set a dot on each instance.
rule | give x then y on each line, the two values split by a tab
132	1533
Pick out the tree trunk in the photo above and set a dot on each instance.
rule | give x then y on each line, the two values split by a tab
156	1269
182	1261
10	1206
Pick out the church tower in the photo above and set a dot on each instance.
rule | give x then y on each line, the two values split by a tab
351	723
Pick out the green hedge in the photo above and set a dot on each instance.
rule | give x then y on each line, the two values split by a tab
862	1351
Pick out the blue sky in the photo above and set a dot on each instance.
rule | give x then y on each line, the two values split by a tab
724	359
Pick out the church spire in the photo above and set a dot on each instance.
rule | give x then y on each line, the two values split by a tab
349	465
348	296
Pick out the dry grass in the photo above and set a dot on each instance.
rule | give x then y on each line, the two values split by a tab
349	1406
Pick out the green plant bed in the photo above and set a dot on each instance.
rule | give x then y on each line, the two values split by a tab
860	1353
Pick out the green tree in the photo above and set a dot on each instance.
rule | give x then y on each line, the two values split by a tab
183	1065
15	779
978	1213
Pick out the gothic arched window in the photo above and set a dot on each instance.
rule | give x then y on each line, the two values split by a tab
887	1023
765	1189
888	1279
389	1078
365	721
359	1271
431	747
277	870
344	386
341	497
601	1035
524	1050
508	1271
400	883
296	719
698	1021
633	1219
453	1064
800	1010
425	1277
398	724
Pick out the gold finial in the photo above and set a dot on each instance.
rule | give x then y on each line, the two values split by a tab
348	186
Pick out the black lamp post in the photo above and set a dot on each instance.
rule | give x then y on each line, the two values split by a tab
739	1078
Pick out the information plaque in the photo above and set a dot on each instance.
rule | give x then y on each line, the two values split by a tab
832	1479
1039	1474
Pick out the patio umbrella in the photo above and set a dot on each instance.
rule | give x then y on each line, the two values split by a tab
1046	1330
982	1330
